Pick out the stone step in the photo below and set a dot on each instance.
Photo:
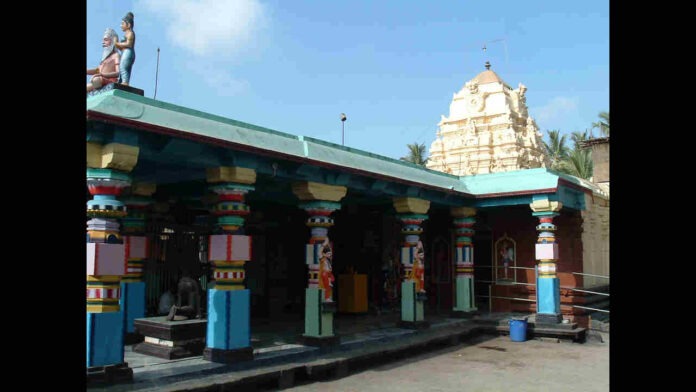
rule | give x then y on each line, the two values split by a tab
561	331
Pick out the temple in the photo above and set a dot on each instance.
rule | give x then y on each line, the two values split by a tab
488	130
278	226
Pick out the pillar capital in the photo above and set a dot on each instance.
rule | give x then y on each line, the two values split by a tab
239	175
308	190
462	212
545	206
115	156
411	205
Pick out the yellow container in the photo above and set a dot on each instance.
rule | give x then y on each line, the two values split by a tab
352	293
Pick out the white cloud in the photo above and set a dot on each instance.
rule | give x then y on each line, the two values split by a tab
224	84
206	27
555	109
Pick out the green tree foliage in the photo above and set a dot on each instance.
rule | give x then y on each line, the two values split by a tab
556	149
576	161
579	163
416	154
602	124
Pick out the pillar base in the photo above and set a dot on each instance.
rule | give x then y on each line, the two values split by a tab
321	342
413	324
132	338
543	318
109	374
464	314
228	356
328	307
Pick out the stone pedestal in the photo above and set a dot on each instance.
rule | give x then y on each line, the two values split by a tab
171	339
319	320
412	315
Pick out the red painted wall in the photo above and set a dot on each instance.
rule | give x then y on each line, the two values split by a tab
520	225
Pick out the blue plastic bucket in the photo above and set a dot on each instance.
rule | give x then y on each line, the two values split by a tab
518	329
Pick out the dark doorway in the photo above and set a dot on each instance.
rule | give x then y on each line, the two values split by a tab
483	265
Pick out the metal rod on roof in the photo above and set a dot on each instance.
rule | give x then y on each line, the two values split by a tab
343	121
156	73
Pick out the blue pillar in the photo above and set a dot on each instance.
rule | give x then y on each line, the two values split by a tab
132	304
105	267
104	339
228	319
228	333
546	251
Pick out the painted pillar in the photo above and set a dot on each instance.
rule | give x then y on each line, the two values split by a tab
137	246
319	200
228	337
464	299
412	212
107	168
548	284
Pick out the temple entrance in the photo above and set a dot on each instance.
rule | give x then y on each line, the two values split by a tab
277	275
175	250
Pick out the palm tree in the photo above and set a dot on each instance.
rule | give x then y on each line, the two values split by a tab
579	163
556	149
416	154
603	123
578	137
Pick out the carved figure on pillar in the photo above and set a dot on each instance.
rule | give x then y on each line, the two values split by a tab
418	270
326	275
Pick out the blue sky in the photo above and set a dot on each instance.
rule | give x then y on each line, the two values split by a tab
391	66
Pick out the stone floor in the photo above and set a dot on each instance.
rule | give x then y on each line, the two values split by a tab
276	350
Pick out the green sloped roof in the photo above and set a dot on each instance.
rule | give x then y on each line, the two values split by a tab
133	107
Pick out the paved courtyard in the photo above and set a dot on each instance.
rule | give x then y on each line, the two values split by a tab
488	363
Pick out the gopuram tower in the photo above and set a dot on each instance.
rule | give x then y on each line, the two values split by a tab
488	130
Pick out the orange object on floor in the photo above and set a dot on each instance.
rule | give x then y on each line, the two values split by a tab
352	293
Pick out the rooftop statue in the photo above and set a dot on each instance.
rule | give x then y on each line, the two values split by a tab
108	70
127	48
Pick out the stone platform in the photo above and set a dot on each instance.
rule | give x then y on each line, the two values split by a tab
171	339
557	330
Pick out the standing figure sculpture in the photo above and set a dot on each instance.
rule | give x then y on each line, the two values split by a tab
108	70
419	268
326	276
127	48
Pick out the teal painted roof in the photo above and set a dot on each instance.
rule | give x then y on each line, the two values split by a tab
511	181
522	181
158	113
